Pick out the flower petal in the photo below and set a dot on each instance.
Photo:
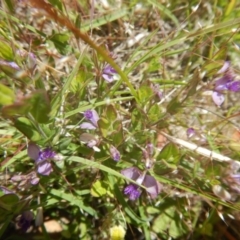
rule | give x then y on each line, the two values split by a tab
44	168
190	132
108	78
33	151
35	181
218	98
153	187
132	191
86	125
92	115
222	83
25	220
6	190
225	67
115	154
234	86
132	173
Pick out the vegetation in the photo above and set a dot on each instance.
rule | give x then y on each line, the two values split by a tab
119	119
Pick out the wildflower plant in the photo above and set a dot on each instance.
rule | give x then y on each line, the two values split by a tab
141	145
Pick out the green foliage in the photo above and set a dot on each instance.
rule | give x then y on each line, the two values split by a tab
37	104
6	51
167	69
6	95
60	41
27	129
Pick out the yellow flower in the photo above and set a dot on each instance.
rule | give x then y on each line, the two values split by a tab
117	233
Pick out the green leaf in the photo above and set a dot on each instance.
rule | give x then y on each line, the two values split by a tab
154	113
103	126
60	41
207	229
37	103
99	189
6	95
10	5
27	129
169	221
40	106
74	200
136	118
174	106
56	3
170	153
8	201
6	51
117	134
111	113
16	109
145	93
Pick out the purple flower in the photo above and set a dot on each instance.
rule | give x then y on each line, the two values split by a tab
25	220
12	65
93	117
234	86
41	158
115	154
218	98
222	83
31	178
190	132
225	83
109	73
225	67
132	190
6	190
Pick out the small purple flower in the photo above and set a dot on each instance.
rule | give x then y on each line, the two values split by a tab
93	117
6	190
109	73
218	98
115	154
41	158
12	65
190	132
30	178
225	67
234	86
25	220
132	190
225	83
